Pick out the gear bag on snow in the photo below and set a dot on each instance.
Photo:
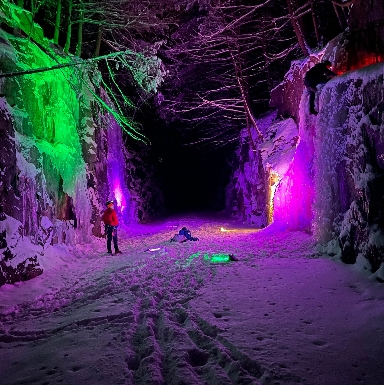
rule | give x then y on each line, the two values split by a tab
187	234
184	235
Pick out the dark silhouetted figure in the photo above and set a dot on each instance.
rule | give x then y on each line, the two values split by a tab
319	73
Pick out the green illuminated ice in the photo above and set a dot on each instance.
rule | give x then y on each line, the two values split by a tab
48	109
57	101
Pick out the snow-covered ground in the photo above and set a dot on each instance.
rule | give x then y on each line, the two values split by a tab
281	314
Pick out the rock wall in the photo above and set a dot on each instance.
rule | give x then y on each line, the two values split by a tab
286	96
363	42
146	198
250	195
61	155
246	193
334	186
349	165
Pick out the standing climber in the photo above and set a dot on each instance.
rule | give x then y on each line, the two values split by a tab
111	222
319	73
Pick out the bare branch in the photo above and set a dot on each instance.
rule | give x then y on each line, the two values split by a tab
342	3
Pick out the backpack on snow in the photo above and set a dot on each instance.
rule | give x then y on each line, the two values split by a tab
178	238
184	235
187	234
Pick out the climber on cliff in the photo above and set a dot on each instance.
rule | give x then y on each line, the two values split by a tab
319	73
111	222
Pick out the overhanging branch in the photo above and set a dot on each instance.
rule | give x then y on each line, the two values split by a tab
59	66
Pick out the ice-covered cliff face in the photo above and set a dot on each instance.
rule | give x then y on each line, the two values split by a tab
349	164
334	182
52	181
61	155
250	195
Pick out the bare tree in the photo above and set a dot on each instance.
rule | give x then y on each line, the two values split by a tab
315	21
234	46
295	17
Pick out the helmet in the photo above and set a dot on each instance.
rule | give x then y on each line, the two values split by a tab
107	203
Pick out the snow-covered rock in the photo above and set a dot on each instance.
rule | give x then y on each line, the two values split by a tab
349	164
250	193
18	255
61	154
334	186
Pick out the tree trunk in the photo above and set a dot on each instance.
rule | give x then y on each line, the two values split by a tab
297	29
58	66
69	28
79	44
98	42
338	16
248	113
270	80
315	26
57	23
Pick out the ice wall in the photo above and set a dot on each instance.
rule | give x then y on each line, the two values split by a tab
62	153
246	193
279	152
349	164
132	181
43	127
250	195
294	193
54	150
116	165
334	184
47	117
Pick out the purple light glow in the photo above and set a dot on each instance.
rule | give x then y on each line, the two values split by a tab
278	154
294	194
120	198
116	171
294	190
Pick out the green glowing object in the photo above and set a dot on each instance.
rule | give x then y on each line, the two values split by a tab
218	258
211	258
47	106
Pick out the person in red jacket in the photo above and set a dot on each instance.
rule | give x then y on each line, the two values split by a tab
111	222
